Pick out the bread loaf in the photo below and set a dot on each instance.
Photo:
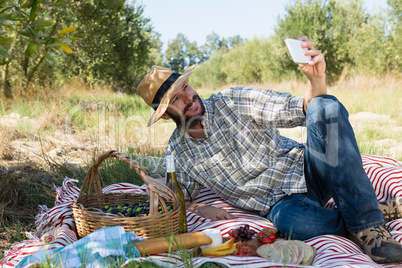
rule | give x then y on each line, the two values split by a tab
288	251
271	252
172	243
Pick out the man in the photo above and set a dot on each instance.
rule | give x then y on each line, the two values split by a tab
230	144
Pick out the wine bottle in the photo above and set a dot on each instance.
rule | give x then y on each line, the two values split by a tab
171	182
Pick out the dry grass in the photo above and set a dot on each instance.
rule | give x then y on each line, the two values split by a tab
22	186
5	138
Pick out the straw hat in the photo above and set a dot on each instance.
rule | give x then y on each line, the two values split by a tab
158	86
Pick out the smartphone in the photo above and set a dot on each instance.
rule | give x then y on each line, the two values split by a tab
296	51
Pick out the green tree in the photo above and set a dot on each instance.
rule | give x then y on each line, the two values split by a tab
181	53
215	43
394	44
117	47
368	48
331	24
29	32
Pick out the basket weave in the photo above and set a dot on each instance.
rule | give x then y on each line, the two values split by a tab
91	198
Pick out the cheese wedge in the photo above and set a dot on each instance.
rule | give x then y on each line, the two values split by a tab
220	253
224	246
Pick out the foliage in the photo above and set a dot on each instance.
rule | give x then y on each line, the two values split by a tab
394	44
30	32
330	24
181	53
114	43
352	40
117	44
215	43
210	73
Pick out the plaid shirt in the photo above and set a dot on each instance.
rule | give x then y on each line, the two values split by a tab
243	158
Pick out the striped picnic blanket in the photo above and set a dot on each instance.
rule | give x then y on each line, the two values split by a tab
55	227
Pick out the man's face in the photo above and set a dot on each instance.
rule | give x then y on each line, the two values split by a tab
185	107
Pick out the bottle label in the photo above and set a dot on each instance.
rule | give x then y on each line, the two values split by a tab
170	167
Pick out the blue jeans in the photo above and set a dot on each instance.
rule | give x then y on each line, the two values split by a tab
333	168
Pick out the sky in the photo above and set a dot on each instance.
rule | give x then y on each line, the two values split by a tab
227	18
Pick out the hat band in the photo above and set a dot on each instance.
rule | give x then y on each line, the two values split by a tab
163	88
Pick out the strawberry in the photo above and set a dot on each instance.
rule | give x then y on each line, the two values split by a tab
266	238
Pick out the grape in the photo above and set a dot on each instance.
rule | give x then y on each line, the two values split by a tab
235	234
246	227
249	235
243	233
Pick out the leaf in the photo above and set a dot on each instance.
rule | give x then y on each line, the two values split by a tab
67	49
67	30
6	40
60	3
32	14
25	34
5	9
42	24
27	3
54	45
48	56
75	38
15	18
33	32
4	53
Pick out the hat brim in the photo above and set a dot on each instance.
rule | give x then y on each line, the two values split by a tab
163	105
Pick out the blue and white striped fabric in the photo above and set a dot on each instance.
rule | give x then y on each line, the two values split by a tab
102	248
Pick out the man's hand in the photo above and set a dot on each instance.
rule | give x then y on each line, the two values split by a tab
209	212
315	69
315	72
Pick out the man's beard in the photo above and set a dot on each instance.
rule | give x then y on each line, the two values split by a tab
186	122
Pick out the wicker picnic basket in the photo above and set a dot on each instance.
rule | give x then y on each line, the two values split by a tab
87	208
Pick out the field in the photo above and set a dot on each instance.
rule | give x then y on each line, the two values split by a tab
45	138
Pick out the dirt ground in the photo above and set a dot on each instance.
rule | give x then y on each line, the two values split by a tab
63	148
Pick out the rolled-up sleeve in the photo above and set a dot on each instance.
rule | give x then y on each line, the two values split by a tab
268	107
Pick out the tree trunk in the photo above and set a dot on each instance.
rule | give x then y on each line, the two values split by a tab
6	82
32	72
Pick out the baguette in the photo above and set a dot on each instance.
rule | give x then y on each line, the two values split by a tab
167	244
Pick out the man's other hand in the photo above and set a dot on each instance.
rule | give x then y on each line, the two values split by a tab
209	212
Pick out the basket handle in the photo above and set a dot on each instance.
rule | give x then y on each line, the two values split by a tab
156	188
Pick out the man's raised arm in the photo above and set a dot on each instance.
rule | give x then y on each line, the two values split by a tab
315	72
